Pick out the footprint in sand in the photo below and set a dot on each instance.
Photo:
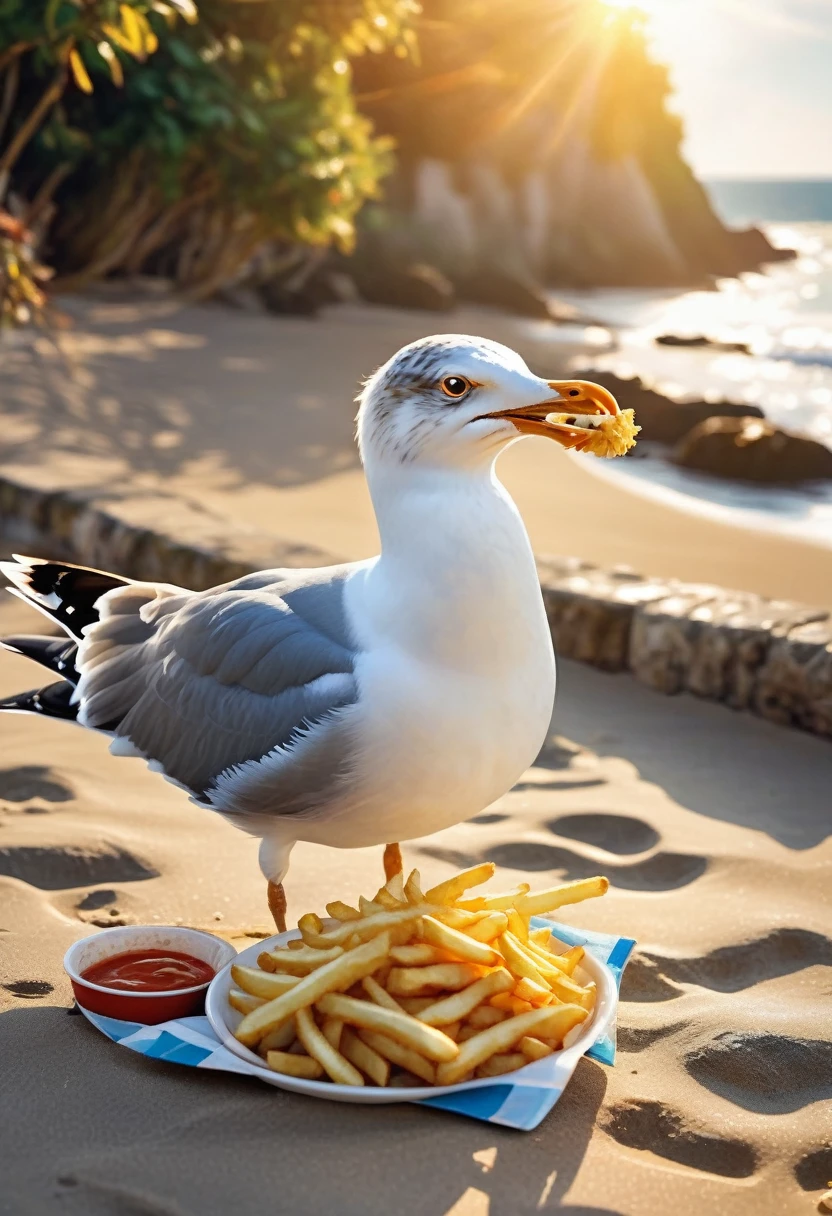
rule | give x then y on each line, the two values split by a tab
814	1171
615	834
764	1072
59	866
31	781
29	990
653	977
652	1126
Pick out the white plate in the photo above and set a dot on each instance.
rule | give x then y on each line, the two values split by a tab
552	1072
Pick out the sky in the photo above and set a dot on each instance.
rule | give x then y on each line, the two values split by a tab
753	81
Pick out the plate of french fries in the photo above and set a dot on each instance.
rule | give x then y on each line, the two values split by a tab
412	994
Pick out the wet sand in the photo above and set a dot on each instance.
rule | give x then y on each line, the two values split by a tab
715	832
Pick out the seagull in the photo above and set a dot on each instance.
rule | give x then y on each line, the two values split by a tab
357	704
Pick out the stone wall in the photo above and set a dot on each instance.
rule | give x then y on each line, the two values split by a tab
771	657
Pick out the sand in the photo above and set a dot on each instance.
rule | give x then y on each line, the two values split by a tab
251	417
714	829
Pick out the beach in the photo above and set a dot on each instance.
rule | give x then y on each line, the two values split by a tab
250	418
713	827
714	831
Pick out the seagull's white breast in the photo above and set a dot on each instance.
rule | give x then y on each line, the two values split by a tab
456	674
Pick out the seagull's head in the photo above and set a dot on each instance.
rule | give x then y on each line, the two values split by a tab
454	401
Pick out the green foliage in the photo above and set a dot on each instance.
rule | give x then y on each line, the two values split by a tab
220	130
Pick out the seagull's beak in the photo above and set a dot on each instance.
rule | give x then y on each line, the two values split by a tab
573	399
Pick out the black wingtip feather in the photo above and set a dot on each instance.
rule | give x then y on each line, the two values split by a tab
51	701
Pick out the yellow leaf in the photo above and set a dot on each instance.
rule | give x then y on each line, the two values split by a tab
113	63
132	31
149	40
115	35
79	72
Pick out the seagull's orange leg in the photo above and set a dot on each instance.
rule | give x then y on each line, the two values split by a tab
277	905
393	863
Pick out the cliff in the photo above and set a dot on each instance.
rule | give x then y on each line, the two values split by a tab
535	139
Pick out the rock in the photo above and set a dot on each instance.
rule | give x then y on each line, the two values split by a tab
302	299
730	649
665	634
795	684
752	449
590	611
663	420
501	289
697	340
418	286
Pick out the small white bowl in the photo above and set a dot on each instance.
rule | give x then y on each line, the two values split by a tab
552	1071
149	1008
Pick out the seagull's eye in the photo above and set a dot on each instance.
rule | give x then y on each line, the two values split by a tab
455	387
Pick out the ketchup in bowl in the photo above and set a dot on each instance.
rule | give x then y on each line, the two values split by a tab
149	971
145	973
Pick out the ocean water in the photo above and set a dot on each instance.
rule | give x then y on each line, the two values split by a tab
784	318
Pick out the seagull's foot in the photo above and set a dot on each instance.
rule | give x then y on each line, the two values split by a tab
277	905
393	863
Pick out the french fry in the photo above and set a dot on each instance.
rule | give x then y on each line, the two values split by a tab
517	926
570	959
548	963
364	1058
294	1066
415	1004
414	981
499	902
340	911
381	921
421	954
497	1065
508	1003
534	1049
458	918
397	1053
528	990
459	944
540	937
301	962
338	974
384	899
242	1002
407	1030
279	1038
555	897
492	925
319	1048
367	907
395	887
518	962
413	888
461	1004
485	1015
332	1029
452	1030
552	1021
451	889
566	990
262	983
380	995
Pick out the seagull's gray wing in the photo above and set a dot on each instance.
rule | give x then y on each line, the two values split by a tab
204	683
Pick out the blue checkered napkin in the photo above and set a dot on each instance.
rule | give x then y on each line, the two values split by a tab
192	1041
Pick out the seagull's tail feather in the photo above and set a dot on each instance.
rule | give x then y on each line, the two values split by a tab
55	654
52	701
67	594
